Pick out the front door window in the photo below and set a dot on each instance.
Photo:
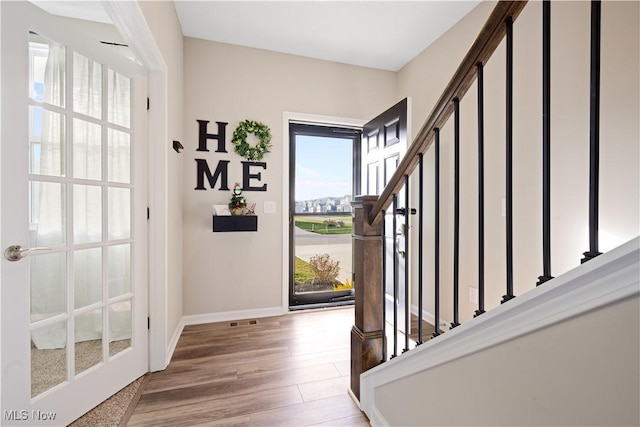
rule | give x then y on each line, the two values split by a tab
322	188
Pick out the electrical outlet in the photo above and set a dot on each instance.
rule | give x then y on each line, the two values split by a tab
473	294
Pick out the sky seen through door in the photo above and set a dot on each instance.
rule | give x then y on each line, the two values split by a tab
323	167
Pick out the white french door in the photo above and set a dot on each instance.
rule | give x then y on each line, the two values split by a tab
73	226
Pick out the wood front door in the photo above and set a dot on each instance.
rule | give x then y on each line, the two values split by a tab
384	142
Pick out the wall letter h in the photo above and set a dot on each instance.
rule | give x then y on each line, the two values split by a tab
202	140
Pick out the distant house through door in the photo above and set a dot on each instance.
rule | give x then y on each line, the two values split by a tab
324	177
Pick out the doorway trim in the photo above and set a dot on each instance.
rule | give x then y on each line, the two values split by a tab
314	119
131	23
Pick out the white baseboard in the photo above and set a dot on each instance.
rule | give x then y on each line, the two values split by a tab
197	319
376	419
174	341
429	318
426	316
354	398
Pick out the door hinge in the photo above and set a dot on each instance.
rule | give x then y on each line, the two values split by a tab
148	103
148	323
148	213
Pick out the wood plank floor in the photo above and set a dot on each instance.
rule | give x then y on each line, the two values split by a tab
290	370
427	332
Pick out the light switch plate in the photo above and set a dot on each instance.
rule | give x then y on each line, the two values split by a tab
269	207
473	294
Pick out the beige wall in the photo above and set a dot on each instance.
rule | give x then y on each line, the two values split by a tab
226	272
582	372
242	271
619	152
163	21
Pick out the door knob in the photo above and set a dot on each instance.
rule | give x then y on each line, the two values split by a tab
402	211
17	252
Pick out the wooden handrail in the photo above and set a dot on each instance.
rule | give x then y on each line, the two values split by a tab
483	47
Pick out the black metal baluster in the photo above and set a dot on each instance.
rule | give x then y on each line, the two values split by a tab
546	143
480	309
594	133
420	260
384	288
407	308
456	212
395	278
436	234
509	161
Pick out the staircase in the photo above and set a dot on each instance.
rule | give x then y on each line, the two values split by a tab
554	347
562	354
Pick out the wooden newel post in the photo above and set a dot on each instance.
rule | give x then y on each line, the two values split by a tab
366	335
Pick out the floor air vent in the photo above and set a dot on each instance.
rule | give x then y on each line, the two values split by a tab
243	323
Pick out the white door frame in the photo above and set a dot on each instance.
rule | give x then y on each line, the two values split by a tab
130	22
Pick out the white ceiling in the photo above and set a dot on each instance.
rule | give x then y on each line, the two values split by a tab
378	34
88	10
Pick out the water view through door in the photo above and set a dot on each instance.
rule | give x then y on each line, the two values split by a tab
322	165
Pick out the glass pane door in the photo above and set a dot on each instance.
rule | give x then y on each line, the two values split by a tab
322	188
73	144
80	208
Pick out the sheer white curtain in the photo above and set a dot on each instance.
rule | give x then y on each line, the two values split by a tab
49	272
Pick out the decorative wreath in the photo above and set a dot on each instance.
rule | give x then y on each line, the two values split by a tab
260	130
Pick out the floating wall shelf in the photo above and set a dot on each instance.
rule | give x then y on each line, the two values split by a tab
223	223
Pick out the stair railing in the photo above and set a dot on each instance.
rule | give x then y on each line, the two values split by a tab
368	337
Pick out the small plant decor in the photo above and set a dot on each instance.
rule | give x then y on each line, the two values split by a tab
325	268
238	203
